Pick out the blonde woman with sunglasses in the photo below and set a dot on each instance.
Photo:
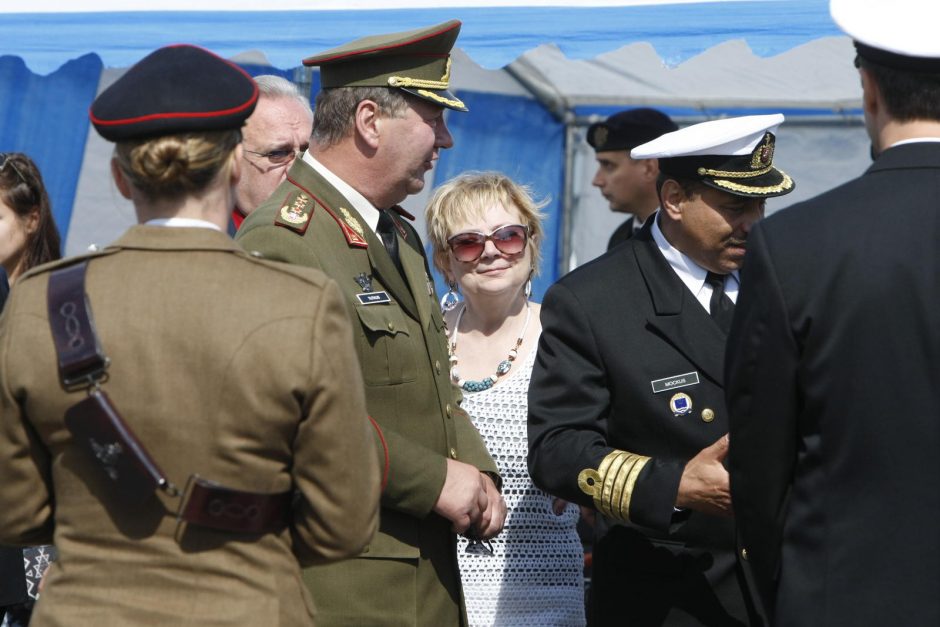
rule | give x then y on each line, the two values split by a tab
486	230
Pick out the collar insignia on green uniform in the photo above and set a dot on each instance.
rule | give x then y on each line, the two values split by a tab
351	221
295	212
350	227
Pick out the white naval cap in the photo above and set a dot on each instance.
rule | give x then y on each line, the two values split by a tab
897	33
734	155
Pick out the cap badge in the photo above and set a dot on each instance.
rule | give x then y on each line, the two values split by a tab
763	155
296	212
600	136
680	404
351	221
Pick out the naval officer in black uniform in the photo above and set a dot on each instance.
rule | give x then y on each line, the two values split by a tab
626	404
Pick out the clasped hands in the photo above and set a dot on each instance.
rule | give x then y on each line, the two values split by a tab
470	500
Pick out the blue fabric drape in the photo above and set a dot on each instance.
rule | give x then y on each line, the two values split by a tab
46	117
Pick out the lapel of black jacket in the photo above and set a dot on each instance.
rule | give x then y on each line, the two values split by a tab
677	315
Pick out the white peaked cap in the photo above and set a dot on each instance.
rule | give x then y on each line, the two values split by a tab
905	27
729	136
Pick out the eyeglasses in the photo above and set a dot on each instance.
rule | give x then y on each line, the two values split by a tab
277	157
509	240
7	159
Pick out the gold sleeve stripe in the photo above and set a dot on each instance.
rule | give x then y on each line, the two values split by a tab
629	484
609	479
612	484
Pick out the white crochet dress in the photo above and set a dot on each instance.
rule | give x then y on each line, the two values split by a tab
535	576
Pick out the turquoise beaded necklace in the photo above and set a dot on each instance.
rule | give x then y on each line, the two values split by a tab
502	368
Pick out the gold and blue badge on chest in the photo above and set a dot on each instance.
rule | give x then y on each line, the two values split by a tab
681	403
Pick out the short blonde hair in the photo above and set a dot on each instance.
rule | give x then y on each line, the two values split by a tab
467	197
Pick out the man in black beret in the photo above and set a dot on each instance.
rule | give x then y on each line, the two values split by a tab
628	184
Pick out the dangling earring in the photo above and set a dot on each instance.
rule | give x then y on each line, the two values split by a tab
450	299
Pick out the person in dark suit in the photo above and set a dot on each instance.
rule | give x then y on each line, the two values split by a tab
628	184
833	357
626	404
378	127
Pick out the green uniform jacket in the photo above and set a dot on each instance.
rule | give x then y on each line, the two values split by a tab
225	366
408	575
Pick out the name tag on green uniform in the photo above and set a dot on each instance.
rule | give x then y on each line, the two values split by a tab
674	382
373	298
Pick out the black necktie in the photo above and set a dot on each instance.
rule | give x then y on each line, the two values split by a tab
720	306
386	230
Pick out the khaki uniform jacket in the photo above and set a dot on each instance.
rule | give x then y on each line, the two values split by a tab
408	575
236	369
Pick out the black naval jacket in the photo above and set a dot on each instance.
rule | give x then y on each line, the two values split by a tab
622	336
832	385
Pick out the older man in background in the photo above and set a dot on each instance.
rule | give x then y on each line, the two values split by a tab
277	131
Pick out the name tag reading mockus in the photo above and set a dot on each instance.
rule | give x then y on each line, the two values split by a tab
373	298
674	382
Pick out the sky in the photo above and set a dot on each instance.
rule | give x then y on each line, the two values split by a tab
82	6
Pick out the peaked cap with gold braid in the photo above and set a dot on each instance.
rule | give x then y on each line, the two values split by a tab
416	61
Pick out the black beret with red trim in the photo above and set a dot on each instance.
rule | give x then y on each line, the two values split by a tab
176	89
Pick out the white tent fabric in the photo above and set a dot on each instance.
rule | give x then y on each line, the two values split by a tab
696	61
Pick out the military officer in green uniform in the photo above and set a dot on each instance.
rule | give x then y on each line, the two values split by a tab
378	128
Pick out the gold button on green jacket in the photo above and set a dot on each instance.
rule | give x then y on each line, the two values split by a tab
408	575
233	368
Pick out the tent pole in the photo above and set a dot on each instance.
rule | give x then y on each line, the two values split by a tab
567	205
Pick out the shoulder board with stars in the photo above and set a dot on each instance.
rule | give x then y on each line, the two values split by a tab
295	212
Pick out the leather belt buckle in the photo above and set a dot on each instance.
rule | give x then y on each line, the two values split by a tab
209	504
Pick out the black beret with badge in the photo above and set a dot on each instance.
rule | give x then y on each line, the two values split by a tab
415	61
628	129
175	89
734	155
899	34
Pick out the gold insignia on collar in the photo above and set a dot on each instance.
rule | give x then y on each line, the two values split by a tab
351	221
296	212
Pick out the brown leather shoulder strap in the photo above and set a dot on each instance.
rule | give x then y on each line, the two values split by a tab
81	359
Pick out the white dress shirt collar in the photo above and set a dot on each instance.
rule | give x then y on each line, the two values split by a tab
691	274
182	222
365	208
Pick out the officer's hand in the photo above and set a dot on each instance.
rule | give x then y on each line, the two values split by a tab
463	497
493	517
704	485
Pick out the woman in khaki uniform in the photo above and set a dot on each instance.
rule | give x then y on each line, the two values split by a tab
225	368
